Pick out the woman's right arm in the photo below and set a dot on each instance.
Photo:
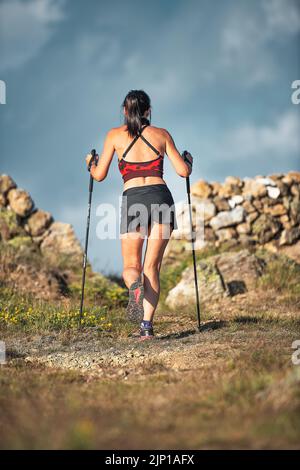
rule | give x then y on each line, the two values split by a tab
181	167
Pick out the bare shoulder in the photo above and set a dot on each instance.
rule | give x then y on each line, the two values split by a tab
115	132
161	131
166	134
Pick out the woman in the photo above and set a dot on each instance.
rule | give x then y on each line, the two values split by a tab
147	204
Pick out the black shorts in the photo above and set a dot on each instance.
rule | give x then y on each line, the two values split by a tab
144	205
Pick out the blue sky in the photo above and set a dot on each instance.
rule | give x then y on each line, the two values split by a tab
219	75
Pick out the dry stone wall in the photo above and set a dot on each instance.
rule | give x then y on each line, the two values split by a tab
22	224
261	210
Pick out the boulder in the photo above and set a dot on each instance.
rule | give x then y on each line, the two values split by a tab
239	270
6	184
61	243
10	225
210	286
229	273
38	222
20	202
228	218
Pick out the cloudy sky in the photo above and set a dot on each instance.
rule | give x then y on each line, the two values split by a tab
219	75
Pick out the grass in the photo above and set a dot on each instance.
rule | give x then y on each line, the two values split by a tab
233	387
246	397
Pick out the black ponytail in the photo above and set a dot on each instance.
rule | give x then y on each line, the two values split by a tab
136	103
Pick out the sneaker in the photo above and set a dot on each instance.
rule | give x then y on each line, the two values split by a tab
146	331
135	310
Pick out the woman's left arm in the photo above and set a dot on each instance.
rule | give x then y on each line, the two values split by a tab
99	172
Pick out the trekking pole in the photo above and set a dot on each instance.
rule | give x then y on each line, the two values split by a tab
91	185
188	190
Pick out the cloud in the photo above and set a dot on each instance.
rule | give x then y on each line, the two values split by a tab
247	35
282	17
25	28
273	141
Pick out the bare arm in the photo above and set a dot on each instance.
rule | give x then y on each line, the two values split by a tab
182	169
99	172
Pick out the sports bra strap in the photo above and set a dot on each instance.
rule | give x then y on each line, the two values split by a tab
133	141
150	145
144	139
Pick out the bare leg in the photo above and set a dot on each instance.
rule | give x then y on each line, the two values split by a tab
157	241
132	246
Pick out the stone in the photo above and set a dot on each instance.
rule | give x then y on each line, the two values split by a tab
244	228
201	189
248	207
233	181
230	273
295	176
210	286
284	218
258	205
20	202
61	242
254	188
38	222
273	193
228	218
276	210
288	180
228	190
295	211
250	218
295	190
265	227
215	185
3	200
209	235
10	225
239	270
286	201
292	251
235	200
225	234
204	208
221	204
265	181
6	184
288	237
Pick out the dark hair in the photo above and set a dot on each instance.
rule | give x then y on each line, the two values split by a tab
136	102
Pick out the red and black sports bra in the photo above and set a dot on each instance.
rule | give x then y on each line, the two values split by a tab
130	170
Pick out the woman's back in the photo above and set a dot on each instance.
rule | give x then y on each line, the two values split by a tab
140	151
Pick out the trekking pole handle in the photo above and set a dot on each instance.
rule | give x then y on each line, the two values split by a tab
94	159
185	159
